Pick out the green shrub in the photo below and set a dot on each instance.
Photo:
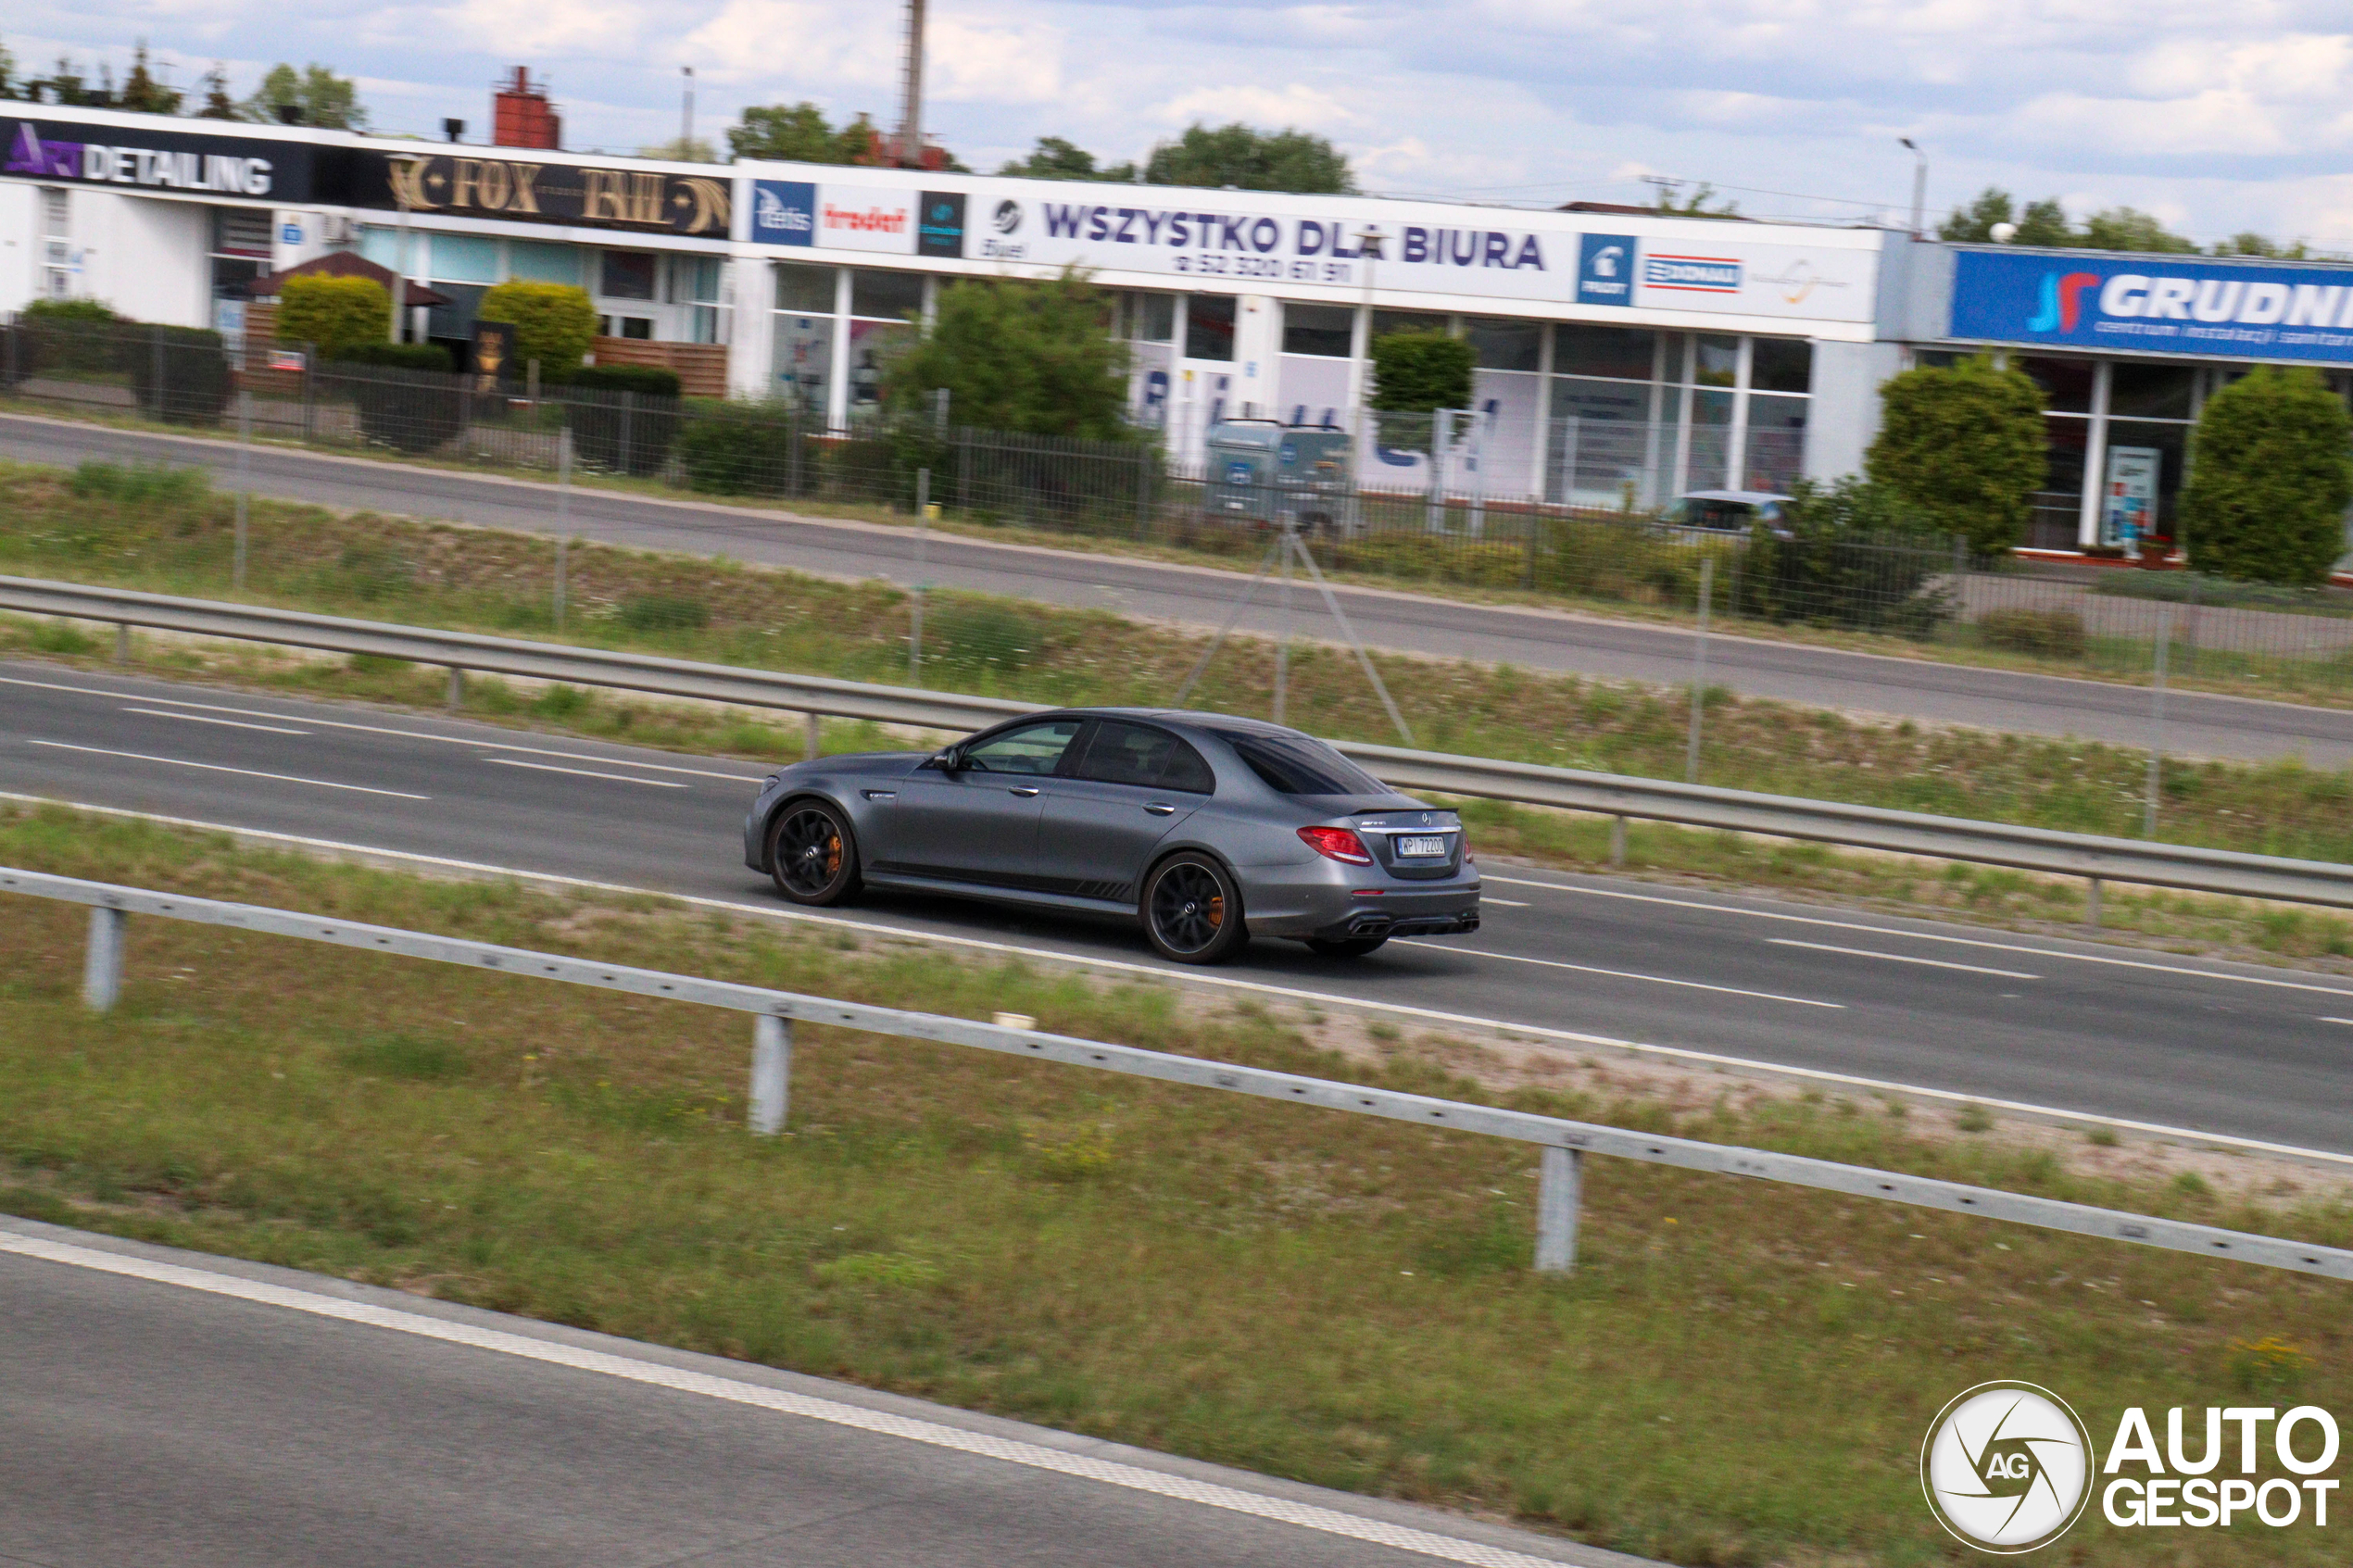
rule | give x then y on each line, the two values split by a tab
140	483
623	419
1416	372
68	337
405	398
555	323
1018	356
739	448
975	635
1963	450
2266	501
333	315
1847	554
663	612
2053	633
180	375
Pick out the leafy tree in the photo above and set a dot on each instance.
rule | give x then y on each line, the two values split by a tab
9	86
793	133
555	323
335	315
1846	554
142	94
1963	450
1696	205
2124	228
682	149
1028	356
1416	372
67	86
1973	224
2274	474
1054	158
1251	160
217	105
2044	223
2248	243
317	95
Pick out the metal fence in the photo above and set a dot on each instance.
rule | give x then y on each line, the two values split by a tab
1561	1144
1456	521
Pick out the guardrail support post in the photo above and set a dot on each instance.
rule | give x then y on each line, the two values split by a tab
456	688
813	734
1560	1175
2092	905
102	965
122	642
1618	844
771	1074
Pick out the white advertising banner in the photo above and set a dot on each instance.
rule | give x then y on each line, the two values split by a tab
1248	242
865	218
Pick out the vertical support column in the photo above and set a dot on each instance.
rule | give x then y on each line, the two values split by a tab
245	484
102	965
1699	668
916	600
2156	721
771	1074
563	512
1560	1178
811	737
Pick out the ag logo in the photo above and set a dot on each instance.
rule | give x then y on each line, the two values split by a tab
1008	217
2006	1467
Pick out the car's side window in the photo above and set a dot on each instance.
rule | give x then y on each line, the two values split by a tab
1033	748
1135	754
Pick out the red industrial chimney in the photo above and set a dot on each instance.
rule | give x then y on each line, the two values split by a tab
520	114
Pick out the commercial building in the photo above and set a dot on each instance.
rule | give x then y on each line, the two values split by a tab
1621	354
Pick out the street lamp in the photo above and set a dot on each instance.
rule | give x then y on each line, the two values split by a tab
1920	188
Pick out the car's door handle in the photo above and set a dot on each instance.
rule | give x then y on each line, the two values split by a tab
1160	808
1024	791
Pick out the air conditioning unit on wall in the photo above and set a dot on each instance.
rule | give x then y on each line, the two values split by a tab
337	230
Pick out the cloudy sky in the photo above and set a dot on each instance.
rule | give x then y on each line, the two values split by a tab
2216	118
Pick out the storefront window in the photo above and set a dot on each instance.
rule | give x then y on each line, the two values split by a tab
1209	326
2141	462
454	322
465	259
1781	364
1619	353
240	250
1388	321
543	263
1326	331
1715	361
629	274
2066	383
1152	317
804	349
1774	454
886	296
2150	390
1505	345
805	289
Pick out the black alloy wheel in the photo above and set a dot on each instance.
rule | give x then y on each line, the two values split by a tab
812	854
1192	910
1344	947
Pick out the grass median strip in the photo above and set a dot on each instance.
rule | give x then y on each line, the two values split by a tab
1738	1373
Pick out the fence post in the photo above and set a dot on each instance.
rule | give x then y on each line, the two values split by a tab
456	688
244	482
916	600
813	732
1143	492
771	1074
1618	843
563	511
154	366
2189	647
1560	1177
628	404
122	642
1699	668
964	471
2157	720
309	396
2091	904
102	964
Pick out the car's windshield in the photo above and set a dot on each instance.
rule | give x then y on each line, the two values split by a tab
1296	765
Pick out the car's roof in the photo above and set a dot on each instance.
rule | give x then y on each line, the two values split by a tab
1196	718
1753	498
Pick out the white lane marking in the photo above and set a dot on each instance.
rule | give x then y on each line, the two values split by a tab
1923	936
1507	903
202	719
1191	976
382	730
805	1407
1901	957
2326	1019
585	774
1625	975
217	768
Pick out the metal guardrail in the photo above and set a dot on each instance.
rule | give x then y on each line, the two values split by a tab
1863	827
1563	1143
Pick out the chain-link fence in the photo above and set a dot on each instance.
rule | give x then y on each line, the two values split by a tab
1452	519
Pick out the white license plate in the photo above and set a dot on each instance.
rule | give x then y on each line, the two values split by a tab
1420	847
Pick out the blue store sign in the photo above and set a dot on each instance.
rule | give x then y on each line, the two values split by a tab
2155	304
784	212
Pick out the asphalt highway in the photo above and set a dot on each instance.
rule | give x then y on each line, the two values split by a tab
168	1410
2196	724
2238	1051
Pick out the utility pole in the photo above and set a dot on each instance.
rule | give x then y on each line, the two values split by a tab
1920	188
687	115
911	108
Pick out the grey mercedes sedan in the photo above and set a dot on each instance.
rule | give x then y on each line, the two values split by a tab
1204	830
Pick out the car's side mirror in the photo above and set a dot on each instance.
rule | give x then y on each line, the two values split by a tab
947	761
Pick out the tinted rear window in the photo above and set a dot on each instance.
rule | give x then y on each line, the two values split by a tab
1135	754
1295	765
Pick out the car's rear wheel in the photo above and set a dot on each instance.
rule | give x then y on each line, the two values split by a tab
812	854
1344	947
1192	910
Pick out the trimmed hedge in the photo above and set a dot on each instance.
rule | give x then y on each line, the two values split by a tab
180	375
628	418
406	397
739	448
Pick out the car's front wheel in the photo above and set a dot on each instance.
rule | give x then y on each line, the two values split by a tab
1344	947
812	855
1192	910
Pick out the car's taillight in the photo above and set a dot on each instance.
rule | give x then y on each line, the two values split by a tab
1336	844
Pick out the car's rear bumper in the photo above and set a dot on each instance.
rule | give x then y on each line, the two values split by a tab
1335	902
